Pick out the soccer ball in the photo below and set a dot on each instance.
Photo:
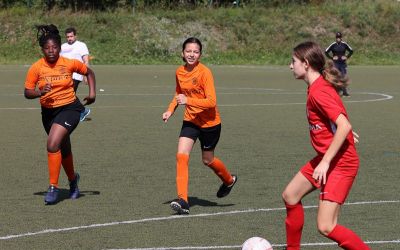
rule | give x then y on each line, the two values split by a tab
256	243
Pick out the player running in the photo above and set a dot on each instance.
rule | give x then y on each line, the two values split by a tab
50	79
335	167
195	90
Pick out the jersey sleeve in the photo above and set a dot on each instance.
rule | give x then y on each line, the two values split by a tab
210	100
328	50
32	77
327	105
78	67
349	49
172	106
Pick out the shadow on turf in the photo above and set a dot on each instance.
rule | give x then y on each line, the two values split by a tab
64	194
195	201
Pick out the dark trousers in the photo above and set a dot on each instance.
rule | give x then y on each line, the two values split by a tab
342	67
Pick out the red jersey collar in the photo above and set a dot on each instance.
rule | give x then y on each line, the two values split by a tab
319	81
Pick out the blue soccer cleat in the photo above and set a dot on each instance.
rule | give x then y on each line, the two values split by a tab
73	188
51	195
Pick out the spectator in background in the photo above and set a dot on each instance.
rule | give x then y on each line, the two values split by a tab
339	57
74	49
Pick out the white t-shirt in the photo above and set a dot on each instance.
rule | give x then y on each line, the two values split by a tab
75	51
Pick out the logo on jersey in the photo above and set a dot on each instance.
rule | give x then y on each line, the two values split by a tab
63	70
194	81
314	127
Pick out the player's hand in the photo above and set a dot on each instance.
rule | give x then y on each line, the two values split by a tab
356	137
344	58
320	172
166	116
335	58
45	89
181	99
89	100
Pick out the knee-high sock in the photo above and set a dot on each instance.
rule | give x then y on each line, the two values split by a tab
54	166
347	239
182	175
219	169
68	165
294	225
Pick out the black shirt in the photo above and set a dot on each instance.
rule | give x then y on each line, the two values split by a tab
339	49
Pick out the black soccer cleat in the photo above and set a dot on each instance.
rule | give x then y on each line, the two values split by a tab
180	206
224	190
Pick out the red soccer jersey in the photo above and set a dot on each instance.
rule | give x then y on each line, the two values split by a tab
59	75
198	86
324	105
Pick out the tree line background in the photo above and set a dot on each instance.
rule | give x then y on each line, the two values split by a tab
107	5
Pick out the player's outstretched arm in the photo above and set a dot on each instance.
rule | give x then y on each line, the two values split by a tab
92	87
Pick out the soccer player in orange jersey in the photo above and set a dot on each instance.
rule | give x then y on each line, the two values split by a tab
195	90
50	79
335	167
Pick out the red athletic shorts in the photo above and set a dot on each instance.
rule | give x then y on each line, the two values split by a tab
338	183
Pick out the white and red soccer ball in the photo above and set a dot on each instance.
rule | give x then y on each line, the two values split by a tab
256	243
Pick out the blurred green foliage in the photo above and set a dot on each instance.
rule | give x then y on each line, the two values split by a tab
257	32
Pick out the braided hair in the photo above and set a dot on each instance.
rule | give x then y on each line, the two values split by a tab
48	32
311	52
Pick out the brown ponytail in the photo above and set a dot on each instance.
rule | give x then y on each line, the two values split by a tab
311	52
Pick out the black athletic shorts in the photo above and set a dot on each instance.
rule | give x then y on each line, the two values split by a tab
208	137
66	116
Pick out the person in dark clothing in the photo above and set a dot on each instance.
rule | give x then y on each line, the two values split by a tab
339	57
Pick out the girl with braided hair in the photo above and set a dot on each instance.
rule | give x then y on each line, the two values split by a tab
335	167
50	79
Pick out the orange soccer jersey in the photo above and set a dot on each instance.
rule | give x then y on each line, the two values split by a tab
60	77
198	86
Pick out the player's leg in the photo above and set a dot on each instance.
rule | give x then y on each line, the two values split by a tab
333	194
209	138
68	165
185	146
181	205
297	188
343	71
328	213
187	138
56	135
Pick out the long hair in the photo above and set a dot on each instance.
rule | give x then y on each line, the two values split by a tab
48	32
311	52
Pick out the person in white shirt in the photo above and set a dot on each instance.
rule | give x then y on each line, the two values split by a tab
78	50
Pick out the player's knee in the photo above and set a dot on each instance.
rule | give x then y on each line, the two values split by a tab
207	161
325	228
287	197
52	146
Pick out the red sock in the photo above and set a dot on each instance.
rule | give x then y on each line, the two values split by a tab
68	165
294	225
54	166
347	239
182	175
219	169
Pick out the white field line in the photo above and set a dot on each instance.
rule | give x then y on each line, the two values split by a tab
175	217
239	246
384	97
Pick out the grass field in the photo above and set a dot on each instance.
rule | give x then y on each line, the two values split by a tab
126	157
